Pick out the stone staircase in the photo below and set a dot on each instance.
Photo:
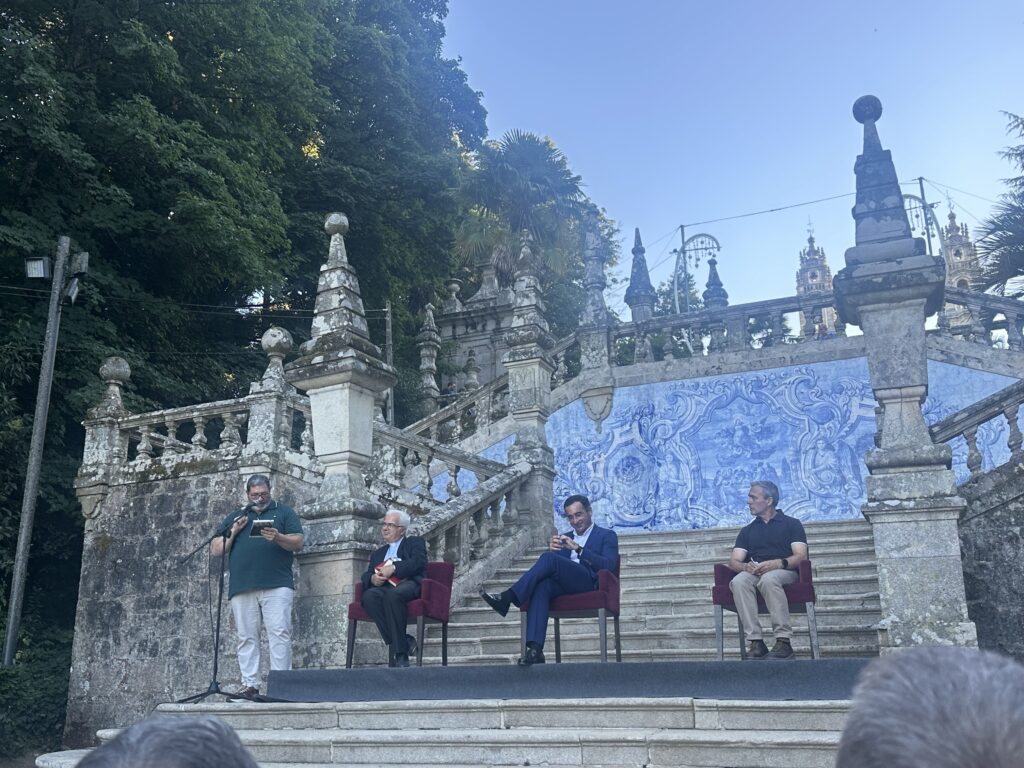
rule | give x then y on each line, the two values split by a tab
673	621
666	602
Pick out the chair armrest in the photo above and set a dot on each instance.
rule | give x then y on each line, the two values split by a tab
723	574
357	596
804	569
438	599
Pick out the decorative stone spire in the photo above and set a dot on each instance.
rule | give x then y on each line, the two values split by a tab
878	213
452	303
715	296
339	318
342	370
270	416
429	342
277	343
115	373
640	295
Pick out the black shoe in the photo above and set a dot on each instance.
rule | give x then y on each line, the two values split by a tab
401	659
248	693
500	603
782	649
412	646
757	649
534	655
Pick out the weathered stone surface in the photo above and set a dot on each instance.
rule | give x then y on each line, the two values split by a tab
143	633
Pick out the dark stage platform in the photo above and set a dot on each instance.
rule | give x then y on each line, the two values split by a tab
758	680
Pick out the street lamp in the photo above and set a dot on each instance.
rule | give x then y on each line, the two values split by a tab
39	267
693	249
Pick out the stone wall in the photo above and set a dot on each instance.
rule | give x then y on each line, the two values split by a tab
991	541
143	630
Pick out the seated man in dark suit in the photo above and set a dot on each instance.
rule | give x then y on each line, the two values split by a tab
569	566
390	581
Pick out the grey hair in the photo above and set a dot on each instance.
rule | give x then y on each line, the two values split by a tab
403	517
939	707
771	490
173	742
255	480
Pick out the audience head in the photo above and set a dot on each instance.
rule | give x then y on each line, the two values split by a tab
173	742
939	707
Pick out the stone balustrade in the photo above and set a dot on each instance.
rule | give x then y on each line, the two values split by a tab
404	468
708	331
1002	405
979	315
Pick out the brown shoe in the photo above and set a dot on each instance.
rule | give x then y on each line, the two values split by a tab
248	693
782	649
757	649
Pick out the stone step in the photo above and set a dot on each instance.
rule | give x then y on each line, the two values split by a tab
665	713
546	746
828	620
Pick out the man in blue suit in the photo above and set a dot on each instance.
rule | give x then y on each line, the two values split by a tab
569	566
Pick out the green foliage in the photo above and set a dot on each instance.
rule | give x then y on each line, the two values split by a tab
1001	245
35	692
193	149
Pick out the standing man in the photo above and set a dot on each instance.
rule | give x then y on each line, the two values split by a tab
569	566
766	556
390	581
262	540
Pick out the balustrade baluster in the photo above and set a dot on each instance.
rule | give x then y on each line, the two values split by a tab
973	454
778	328
453	481
230	438
172	445
426	482
306	439
668	348
1013	333
1016	439
495	522
144	450
840	327
451	545
199	438
511	514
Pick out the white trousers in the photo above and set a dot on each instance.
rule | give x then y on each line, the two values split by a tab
275	605
770	585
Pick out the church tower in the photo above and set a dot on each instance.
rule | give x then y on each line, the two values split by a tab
812	277
962	266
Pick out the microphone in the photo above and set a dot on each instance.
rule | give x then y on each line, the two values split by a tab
224	529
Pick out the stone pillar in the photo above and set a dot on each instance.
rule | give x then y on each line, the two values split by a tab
593	335
104	446
429	343
529	389
270	417
342	371
888	288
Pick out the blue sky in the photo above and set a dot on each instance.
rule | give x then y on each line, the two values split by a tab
681	112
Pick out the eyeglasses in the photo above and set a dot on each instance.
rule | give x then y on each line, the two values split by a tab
391	525
259	494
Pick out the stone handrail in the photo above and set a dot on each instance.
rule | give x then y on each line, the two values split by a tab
727	327
478	408
225	428
403	467
971	322
965	423
460	530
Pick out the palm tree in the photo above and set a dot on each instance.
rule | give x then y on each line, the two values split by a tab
1001	245
521	192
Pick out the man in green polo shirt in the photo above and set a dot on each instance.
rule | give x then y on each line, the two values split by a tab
262	539
766	556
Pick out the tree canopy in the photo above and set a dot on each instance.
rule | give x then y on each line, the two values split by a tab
1001	244
193	148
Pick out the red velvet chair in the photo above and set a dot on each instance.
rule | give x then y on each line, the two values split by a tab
801	600
433	606
599	603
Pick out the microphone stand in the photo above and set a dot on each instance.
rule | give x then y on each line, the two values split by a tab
214	687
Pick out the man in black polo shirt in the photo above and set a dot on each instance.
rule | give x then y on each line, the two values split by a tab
766	556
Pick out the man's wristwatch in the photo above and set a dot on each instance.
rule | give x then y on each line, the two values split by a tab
785	564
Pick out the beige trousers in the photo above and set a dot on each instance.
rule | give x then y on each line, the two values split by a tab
770	585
